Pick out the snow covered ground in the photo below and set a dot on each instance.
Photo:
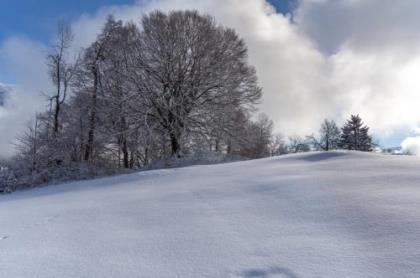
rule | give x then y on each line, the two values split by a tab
309	215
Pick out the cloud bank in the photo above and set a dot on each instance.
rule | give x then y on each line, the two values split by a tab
411	145
25	60
327	59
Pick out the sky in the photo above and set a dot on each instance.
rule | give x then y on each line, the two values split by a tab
315	59
36	18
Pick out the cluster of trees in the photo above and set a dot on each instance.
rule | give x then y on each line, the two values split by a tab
354	135
177	84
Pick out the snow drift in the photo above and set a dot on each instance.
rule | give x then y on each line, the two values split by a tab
332	214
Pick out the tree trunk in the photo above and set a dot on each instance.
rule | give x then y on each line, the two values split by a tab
217	145
229	147
56	113
126	158
57	97
175	145
132	160
92	120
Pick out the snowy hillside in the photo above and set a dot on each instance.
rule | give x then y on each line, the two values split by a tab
309	215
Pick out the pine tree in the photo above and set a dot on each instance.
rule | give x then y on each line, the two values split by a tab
355	135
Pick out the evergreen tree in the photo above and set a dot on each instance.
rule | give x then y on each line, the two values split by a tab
355	135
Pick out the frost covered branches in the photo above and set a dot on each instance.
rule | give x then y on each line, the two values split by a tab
176	85
188	69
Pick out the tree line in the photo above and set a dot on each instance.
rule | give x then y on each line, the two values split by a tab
353	136
175	85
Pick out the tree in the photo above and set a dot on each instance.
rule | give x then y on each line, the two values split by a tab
61	71
355	135
30	147
89	81
298	144
185	67
278	145
256	138
329	136
8	180
263	129
115	92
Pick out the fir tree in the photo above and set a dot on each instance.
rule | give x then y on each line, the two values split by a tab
355	135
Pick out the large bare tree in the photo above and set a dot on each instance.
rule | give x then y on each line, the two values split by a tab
185	66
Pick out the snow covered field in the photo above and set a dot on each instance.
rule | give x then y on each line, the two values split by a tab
309	215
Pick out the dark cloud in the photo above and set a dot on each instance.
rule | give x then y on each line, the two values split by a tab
367	25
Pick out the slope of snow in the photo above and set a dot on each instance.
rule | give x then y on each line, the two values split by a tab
310	215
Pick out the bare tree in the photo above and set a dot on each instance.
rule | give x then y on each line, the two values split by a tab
89	81
187	66
263	129
117	93
61	71
298	144
278	145
29	146
329	136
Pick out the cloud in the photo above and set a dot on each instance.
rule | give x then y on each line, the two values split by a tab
373	48
361	24
328	59
411	145
25	60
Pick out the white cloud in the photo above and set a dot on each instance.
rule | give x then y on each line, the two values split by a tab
363	24
411	145
25	60
373	47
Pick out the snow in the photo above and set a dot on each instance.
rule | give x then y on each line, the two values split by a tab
338	214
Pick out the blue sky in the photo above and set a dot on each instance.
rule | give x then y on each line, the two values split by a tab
36	18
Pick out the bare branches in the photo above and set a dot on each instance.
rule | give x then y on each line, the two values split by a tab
187	65
61	71
178	84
